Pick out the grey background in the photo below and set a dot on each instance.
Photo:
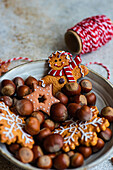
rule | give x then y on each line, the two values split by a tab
34	29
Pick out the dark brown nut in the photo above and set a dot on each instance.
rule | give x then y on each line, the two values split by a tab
72	108
107	112
37	152
85	151
80	99
70	153
91	99
106	135
44	162
48	124
86	85
18	81
7	100
98	146
14	147
62	97
25	155
32	126
39	115
53	143
61	161
24	107
84	113
23	91
52	155
7	87
42	134
71	89
57	125
77	160
58	112
30	80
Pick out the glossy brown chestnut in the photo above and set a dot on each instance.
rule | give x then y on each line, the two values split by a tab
84	113
32	126
44	162
52	155
42	134
25	155
80	99
106	135
39	115
70	153
107	112
37	152
58	112
91	99
98	146
18	81
53	143
14	147
30	80
62	97
7	100
22	91
86	85
71	89
61	161
48	124
77	160
7	87
24	107
72	108
85	151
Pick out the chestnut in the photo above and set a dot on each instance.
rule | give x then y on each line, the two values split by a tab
62	97
80	99
7	100
58	112
70	153
14	147
77	160
61	161
42	134
37	152
44	162
39	115
7	87
52	155
85	151
48	124
53	143
71	89
30	80
106	135
23	91
91	99
25	155
107	112
84	113
24	107
32	126
98	146
72	108
18	81
86	85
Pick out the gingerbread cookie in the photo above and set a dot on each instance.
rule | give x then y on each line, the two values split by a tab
3	68
63	69
79	132
42	98
11	128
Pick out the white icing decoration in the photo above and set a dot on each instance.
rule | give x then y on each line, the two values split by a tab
47	94
81	71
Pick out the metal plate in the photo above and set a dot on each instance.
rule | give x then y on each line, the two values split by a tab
102	88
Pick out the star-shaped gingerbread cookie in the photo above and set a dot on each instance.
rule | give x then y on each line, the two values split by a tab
42	98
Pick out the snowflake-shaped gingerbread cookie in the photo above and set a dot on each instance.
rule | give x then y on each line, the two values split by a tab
11	128
80	132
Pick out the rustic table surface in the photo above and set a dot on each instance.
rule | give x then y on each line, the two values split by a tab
36	28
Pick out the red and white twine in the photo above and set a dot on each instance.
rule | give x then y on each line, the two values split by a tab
94	32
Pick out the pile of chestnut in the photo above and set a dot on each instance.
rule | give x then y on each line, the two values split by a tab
75	102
